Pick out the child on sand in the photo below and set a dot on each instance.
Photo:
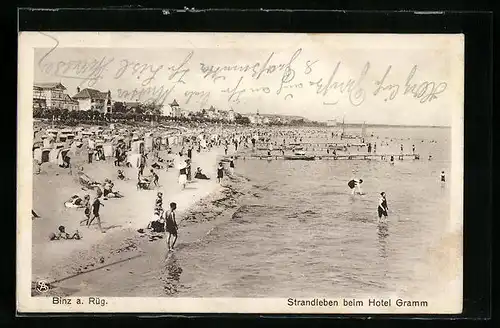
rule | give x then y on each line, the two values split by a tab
159	200
121	176
62	234
156	178
171	226
88	209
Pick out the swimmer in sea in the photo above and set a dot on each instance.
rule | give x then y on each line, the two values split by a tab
443	179
392	160
358	187
382	206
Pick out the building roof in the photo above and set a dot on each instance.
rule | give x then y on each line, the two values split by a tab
132	104
91	93
49	85
174	103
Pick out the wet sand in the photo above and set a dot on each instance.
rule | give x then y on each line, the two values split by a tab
101	257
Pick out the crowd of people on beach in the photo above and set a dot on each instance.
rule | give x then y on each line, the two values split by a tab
239	140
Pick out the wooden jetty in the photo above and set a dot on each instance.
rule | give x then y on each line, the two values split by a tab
328	157
313	144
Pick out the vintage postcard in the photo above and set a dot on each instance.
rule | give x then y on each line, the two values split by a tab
240	173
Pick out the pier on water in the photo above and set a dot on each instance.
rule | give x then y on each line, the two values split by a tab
327	157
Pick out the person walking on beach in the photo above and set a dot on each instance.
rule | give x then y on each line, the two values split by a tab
190	152
413	149
95	211
142	164
220	172
225	149
171	226
159	200
118	155
88	209
382	206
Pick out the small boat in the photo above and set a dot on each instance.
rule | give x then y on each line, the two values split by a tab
300	155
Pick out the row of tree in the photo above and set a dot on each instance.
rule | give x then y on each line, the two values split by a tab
147	114
95	117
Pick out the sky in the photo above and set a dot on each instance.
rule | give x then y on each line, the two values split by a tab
374	81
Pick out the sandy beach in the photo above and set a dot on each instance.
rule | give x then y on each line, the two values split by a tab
121	218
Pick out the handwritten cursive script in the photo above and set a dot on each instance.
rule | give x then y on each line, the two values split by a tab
289	76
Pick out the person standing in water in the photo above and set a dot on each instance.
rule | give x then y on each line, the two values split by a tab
382	206
353	182
155	176
413	149
90	149
220	172
171	226
358	189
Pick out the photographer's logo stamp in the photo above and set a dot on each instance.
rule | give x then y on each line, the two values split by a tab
42	286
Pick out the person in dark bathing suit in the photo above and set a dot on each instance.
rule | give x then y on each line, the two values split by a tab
156	178
382	206
171	226
443	179
95	209
231	166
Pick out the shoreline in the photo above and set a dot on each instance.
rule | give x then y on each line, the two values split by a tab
136	255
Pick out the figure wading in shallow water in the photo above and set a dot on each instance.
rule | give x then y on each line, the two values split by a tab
382	206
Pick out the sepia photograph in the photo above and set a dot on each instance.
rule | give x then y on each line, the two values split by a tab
240	172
